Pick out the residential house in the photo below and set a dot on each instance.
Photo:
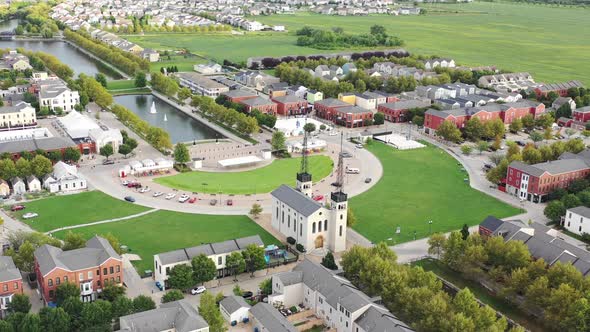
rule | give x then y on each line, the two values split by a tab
57	94
90	268
559	88
234	309
64	178
462	89
18	186
33	184
235	96
21	114
396	111
581	114
430	64
208	69
509	82
332	298
150	55
266	318
435	92
257	79
201	85
449	104
177	316
297	90
349	67
314	96
15	61
541	241
366	101
322	70
326	108
353	116
378	97
217	252
10	281
560	101
261	104
290	105
348	97
409	11
4	188
577	220
278	89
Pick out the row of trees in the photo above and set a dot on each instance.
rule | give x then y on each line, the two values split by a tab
164	84
41	60
336	38
38	166
313	61
242	123
416	296
125	61
559	292
156	136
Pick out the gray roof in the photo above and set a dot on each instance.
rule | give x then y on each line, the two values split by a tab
208	249
288	99
13	109
291	277
406	104
8	271
377	319
581	210
239	93
353	109
271	318
179	315
257	101
97	251
296	200
332	102
491	223
48	144
234	303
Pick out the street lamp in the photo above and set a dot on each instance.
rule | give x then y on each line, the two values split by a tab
410	131
429	227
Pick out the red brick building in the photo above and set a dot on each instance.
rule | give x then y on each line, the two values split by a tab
535	182
90	268
352	116
261	104
10	281
236	96
326	109
396	111
581	114
559	88
290	105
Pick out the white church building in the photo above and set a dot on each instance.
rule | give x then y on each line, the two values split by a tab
314	225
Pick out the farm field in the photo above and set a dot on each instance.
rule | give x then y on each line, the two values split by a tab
163	231
418	186
67	210
546	41
261	180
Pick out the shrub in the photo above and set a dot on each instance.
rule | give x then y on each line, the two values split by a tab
294	309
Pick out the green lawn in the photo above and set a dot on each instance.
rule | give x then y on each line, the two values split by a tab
67	210
549	42
121	84
261	180
417	186
163	231
493	300
183	63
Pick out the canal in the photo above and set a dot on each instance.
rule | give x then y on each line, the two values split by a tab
181	127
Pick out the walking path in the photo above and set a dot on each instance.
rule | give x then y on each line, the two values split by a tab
103	221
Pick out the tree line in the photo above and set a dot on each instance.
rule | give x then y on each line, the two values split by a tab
156	136
125	61
313	61
559	293
243	124
336	38
40	61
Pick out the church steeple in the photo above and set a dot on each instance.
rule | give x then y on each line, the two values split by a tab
304	183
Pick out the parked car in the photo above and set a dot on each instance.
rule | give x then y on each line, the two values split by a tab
247	294
318	198
521	143
130	199
30	215
213	202
198	290
108	162
230	202
125	182
17	207
368	180
144	189
159	285
192	200
158	194
359	146
183	198
346	155
170	196
333	133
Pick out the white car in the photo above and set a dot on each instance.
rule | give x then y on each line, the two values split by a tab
30	215
158	194
144	190
333	133
359	146
170	196
198	290
125	182
183	198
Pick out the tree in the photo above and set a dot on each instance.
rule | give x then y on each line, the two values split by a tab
256	210
482	146
122	306
184	93
309	127
575	145
378	30
528	121
73	241
23	167
19	303
100	78
515	126
97	313
570	201
181	154
453	250
54	319
531	155
30	323
266	286
379	118
113	241
350	217
236	263
143	303
436	243
204	269
466	149
181	277
254	258
65	291
474	129
277	141
449	131
173	295
140	80
465	232
328	261
112	291
7	169
210	312
124	149
73	307
536	136
72	154
106	151
40	166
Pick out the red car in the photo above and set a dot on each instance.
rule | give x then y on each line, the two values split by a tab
318	198
192	200
230	202
17	207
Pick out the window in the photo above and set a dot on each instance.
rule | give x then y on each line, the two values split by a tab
97	272
51	294
106	282
49	283
89	274
341	216
219	260
288	221
168	270
5	287
300	229
16	285
112	279
118	269
98	283
57	281
340	231
65	278
118	279
80	276
111	270
325	225
104	271
313	228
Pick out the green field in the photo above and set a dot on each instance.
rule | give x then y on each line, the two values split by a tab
548	42
121	85
163	231
59	211
261	180
418	186
183	63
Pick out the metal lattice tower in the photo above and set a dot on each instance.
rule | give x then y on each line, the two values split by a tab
340	170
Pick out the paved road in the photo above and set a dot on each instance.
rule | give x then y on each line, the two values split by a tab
103	221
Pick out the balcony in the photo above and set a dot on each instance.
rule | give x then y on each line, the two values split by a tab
86	288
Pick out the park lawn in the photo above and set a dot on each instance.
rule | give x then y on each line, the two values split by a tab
546	41
418	186
495	301
121	84
67	210
183	63
261	180
163	231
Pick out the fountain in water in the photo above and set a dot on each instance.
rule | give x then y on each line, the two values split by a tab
153	108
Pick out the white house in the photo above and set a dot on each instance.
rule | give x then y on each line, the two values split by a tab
217	252
58	95
33	183
208	69
20	115
4	188
296	214
577	220
234	309
18	186
65	178
201	84
333	299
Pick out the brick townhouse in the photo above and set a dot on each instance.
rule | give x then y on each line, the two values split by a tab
559	88
261	104
236	96
352	116
581	114
507	112
326	108
535	182
396	111
290	105
90	268
10	281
